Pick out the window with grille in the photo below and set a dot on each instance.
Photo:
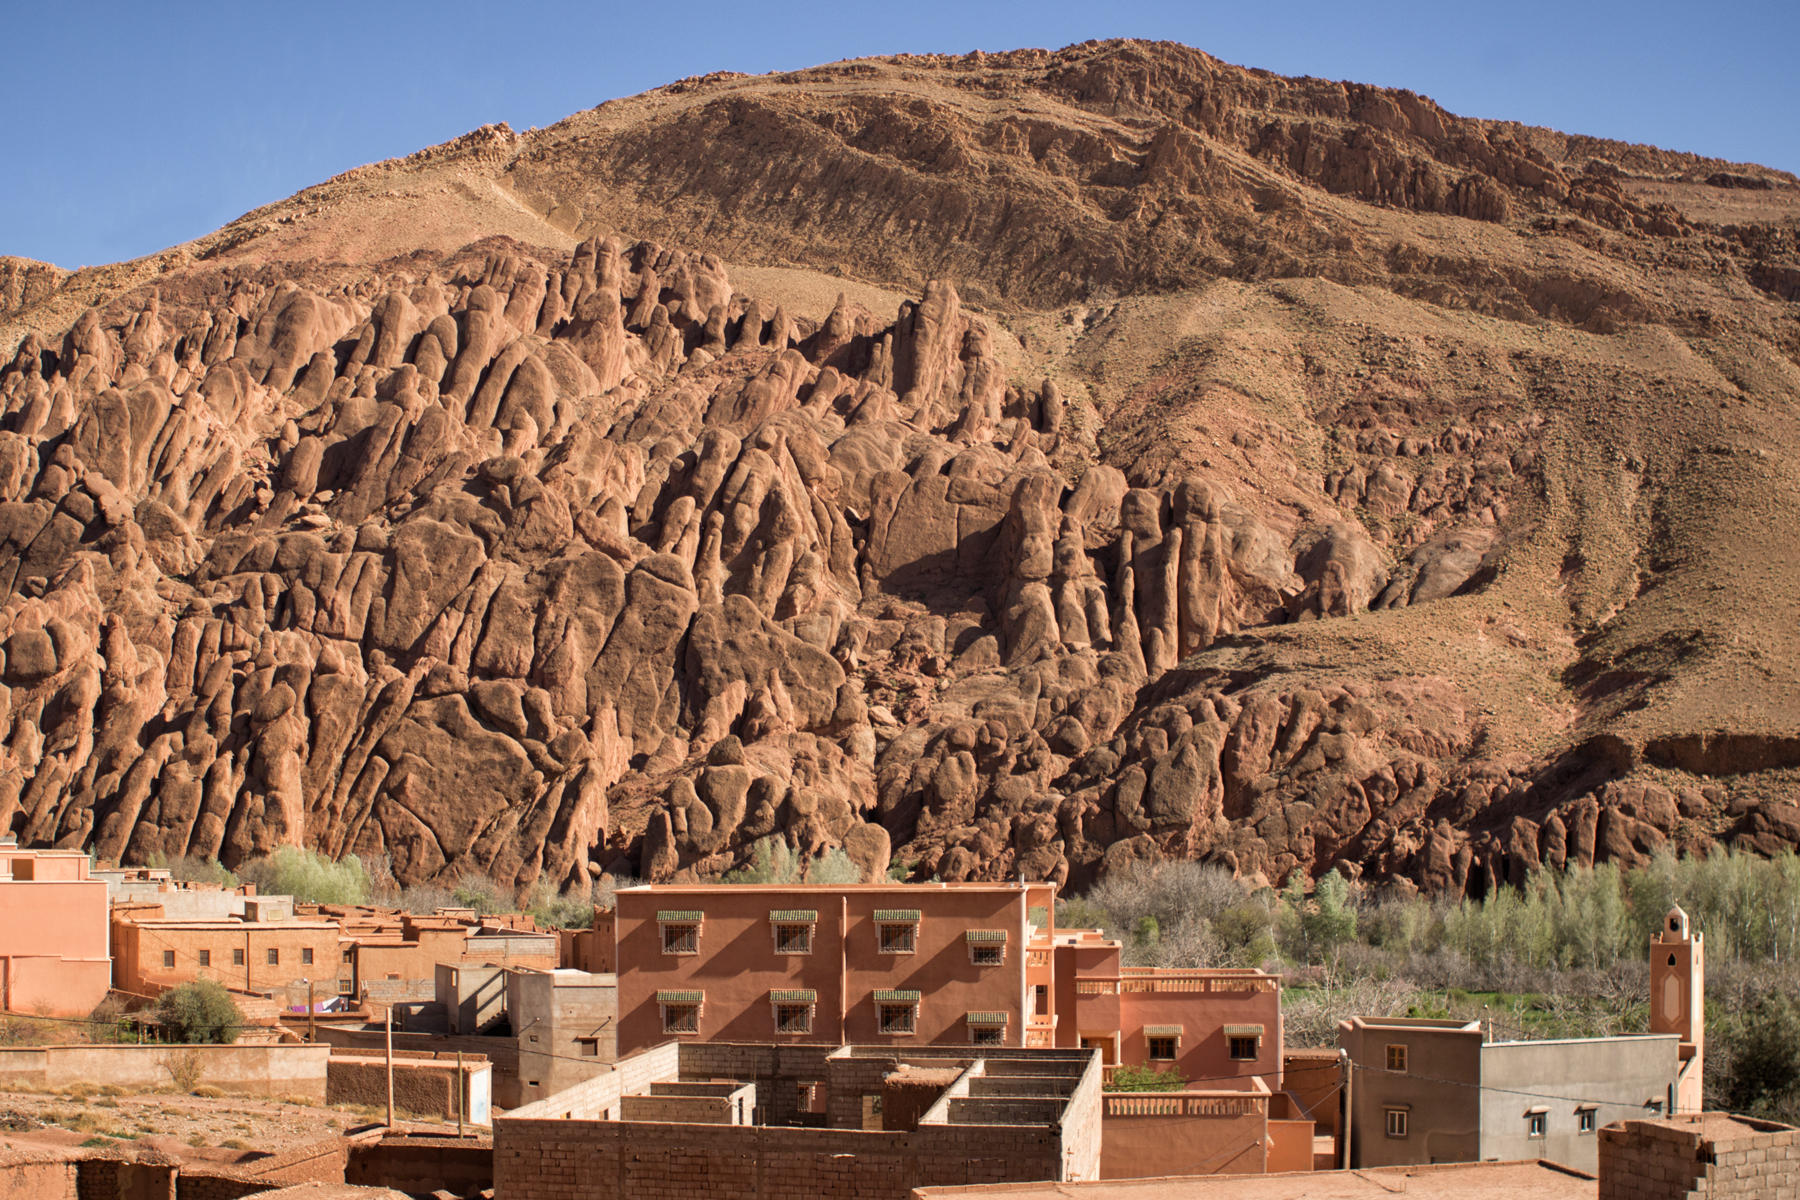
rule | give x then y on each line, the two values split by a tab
793	1018
1396	1122
681	939
274	957
237	958
793	939
1396	1058
899	939
987	1035
168	958
1243	1048
899	1018
206	958
306	954
681	1018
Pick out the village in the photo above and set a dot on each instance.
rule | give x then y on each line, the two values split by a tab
878	1040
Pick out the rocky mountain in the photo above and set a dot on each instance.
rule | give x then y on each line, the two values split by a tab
1024	463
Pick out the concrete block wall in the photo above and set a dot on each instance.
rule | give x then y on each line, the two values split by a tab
1702	1155
610	1160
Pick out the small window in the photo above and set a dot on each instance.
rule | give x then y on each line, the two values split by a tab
899	939
681	939
346	987
1396	1122
590	1047
681	1018
987	955
306	955
1243	1049
899	1018
237	957
1163	1047
793	939
1536	1124
350	955
793	1018
206	958
1584	1120
274	957
987	1035
1396	1058
168	958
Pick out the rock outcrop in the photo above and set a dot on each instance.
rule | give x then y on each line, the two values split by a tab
1434	560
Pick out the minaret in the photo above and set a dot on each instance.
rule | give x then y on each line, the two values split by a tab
1678	1000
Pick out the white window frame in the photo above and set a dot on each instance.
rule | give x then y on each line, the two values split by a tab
1397	1122
1537	1125
1587	1120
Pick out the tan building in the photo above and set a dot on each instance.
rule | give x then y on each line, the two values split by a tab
1438	1091
153	953
567	1026
913	965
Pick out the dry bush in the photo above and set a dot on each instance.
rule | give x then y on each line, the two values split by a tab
186	1067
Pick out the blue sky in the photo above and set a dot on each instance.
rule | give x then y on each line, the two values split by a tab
135	126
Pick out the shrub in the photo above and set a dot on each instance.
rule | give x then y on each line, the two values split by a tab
483	895
1146	1079
309	877
201	1011
185	1067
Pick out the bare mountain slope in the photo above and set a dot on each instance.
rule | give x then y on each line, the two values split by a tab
1026	462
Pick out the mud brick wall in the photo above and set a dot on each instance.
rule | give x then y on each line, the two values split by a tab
609	1160
1665	1160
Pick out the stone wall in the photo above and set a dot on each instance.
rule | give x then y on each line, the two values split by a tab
1712	1154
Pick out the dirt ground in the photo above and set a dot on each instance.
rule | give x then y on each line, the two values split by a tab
224	1129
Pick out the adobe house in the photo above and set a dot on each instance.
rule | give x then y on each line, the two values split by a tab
155	953
55	952
908	965
1429	1091
567	1026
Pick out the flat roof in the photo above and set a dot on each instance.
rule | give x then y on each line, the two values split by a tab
823	889
232	926
1451	1181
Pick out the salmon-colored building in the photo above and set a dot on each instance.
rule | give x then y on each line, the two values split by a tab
900	964
154	953
55	958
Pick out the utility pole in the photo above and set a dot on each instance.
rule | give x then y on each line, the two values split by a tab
1349	1122
311	1028
390	1067
460	1084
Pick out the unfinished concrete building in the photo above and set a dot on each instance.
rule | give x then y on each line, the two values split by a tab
823	1123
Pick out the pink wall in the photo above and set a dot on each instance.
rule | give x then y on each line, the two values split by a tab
54	944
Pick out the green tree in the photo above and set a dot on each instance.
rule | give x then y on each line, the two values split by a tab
1331	921
1764	1076
308	876
201	1011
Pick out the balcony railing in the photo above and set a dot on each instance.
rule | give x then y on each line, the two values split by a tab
1176	981
1185	1104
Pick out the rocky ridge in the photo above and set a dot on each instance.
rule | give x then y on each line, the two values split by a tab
1279	472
